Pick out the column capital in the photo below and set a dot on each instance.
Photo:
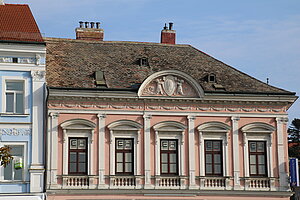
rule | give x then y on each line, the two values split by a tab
147	117
191	117
282	120
38	76
54	115
101	116
235	118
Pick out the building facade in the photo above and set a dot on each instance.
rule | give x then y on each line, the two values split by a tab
129	120
22	100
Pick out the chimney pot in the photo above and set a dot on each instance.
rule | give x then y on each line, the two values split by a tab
92	24
86	24
81	24
165	27
170	25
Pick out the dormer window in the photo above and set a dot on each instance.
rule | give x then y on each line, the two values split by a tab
144	62
212	78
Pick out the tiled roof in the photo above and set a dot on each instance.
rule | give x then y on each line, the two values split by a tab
72	63
18	24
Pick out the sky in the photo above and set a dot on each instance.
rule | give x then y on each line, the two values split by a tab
258	37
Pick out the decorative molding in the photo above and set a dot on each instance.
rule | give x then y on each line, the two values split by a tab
15	131
38	75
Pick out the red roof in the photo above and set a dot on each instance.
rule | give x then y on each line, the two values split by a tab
18	24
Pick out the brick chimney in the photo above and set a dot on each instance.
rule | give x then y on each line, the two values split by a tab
168	35
89	31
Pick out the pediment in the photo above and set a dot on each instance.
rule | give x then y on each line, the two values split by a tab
170	83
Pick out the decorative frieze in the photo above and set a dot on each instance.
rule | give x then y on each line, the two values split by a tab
15	131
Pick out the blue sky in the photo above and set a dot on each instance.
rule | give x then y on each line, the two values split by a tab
258	37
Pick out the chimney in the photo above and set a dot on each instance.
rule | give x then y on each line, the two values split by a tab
88	31
168	35
1	2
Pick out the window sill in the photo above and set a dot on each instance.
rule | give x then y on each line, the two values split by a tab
13	114
13	182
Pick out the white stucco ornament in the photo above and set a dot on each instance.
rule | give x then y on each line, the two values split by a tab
38	75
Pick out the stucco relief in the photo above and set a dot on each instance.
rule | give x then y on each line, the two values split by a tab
15	131
169	85
38	75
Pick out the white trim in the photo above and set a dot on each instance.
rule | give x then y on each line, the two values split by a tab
25	92
192	158
236	152
125	129
101	151
25	161
188	78
214	131
147	154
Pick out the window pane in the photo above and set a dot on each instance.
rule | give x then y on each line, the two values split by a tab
120	144
216	146
261	159
164	158
260	146
73	143
261	169
82	157
73	167
17	150
128	144
173	168
252	169
20	103
172	145
14	85
217	169
119	157
208	168
73	157
128	167
119	167
252	146
252	159
164	145
18	174
173	158
208	158
8	172
217	158
82	167
208	145
128	157
81	144
164	168
9	102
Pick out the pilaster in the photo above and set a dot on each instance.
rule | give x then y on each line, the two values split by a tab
191	129
147	156
101	151
236	154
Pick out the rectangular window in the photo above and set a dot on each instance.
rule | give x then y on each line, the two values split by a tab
124	156
257	158
168	157
14	171
78	154
213	158
14	96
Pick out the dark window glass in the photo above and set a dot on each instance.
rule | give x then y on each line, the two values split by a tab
78	156
257	158
124	156
213	158
168	157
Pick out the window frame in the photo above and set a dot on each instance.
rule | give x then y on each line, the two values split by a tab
124	151
256	159
5	79
168	152
220	152
77	152
25	176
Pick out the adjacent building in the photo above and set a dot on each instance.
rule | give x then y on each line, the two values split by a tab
22	102
135	120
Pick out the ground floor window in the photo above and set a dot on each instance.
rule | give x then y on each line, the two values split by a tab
14	171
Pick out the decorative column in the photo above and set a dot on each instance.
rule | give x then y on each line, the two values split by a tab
37	168
191	129
236	156
283	172
52	147
101	151
147	155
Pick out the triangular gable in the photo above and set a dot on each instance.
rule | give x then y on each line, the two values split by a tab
170	83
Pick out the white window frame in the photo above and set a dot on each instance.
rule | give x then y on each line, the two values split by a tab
214	131
25	93
79	128
125	129
25	162
258	131
170	130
